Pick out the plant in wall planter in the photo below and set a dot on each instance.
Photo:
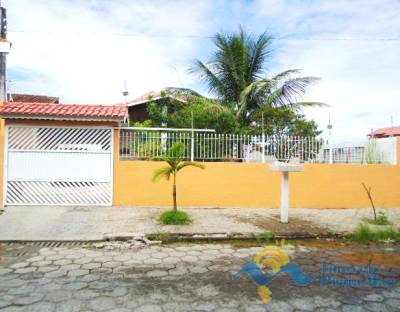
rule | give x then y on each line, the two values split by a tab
175	158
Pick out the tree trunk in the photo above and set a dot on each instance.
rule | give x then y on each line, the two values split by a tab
174	193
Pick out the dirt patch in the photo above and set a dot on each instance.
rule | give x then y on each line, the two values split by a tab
272	224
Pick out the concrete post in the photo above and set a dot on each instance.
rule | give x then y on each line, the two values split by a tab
285	197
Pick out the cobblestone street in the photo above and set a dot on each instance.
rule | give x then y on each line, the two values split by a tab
186	278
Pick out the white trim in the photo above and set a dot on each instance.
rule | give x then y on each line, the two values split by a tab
167	129
5	162
61	118
112	167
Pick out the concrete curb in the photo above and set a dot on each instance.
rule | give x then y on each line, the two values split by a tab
188	237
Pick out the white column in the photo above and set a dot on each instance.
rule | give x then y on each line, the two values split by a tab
285	197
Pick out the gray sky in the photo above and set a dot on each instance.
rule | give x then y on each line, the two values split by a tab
83	50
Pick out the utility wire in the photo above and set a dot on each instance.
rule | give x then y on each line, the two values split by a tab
282	38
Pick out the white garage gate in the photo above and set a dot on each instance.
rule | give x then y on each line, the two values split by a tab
58	165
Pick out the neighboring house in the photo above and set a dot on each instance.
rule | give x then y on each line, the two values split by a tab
386	132
137	108
31	98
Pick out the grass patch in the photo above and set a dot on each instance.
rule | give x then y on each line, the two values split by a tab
364	234
265	238
172	217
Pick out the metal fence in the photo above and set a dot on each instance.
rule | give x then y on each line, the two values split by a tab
204	145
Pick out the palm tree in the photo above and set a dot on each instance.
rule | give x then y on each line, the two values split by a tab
236	75
176	162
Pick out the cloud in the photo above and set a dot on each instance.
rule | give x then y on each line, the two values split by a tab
79	50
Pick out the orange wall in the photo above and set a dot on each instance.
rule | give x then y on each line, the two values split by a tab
225	184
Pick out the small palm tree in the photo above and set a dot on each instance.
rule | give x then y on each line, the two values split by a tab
176	162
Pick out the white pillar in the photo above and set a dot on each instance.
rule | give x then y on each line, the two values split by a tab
285	197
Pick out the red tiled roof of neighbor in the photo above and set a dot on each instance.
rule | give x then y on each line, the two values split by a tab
62	111
32	98
386	132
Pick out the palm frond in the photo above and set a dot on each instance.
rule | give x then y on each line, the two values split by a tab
189	163
164	172
207	76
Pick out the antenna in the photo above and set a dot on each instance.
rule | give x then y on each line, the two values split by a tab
329	126
125	93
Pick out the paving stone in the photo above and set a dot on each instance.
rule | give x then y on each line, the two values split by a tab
176	306
41	263
78	272
75	286
74	256
55	274
89	278
394	303
180	271
148	308
58	296
15	283
373	298
156	273
171	260
152	261
70	306
204	306
352	308
118	292
54	257
101	303
83	260
302	304
42	307
4	271
91	265
49	268
37	258
28	299
376	307
111	264
70	267
190	258
122	258
279	306
62	262
86	294
22	290
19	265
198	270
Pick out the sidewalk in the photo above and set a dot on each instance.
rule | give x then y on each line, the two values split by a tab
92	223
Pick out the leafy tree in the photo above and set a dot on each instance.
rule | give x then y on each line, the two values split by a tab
176	162
282	121
236	75
206	114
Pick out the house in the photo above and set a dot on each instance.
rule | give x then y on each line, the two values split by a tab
386	132
32	98
137	108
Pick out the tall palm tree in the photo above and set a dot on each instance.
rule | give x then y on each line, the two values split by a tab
176	162
236	74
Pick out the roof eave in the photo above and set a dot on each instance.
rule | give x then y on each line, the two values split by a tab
63	118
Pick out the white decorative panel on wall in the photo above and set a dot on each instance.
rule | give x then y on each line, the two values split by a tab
59	166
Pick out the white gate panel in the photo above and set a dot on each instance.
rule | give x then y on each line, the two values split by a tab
58	166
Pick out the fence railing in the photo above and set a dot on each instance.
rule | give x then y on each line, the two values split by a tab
209	146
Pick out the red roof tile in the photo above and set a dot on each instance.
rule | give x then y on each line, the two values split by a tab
63	111
32	98
386	132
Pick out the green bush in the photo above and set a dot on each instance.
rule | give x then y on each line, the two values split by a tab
381	219
364	234
265	238
172	217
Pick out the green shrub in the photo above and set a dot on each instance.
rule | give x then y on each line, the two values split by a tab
364	234
172	217
382	219
264	238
